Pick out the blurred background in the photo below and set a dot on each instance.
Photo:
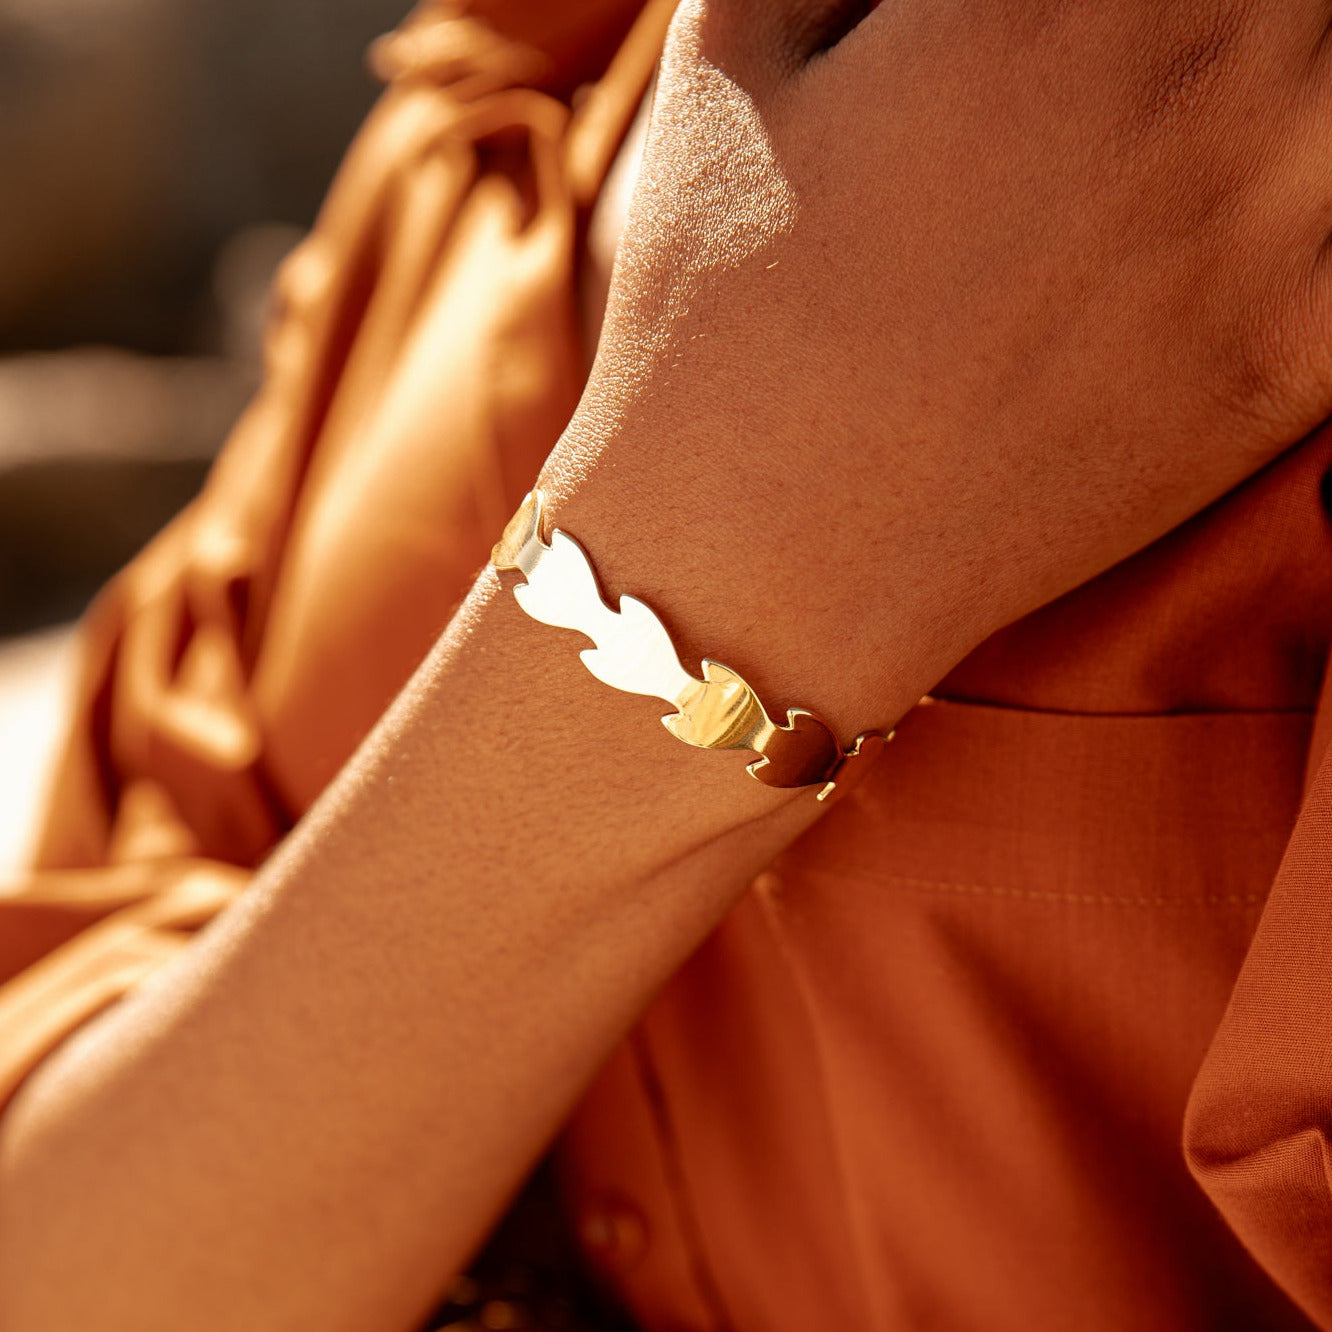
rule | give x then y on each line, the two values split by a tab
158	158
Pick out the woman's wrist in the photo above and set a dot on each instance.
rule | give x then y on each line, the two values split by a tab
849	626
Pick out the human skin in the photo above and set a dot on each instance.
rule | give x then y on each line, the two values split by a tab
905	339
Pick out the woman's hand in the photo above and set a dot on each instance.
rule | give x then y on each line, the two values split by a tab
909	335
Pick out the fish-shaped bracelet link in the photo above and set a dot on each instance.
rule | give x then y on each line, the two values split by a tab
634	653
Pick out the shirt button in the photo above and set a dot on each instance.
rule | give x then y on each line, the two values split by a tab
613	1232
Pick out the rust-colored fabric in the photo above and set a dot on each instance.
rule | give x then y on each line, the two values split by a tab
426	352
1034	1031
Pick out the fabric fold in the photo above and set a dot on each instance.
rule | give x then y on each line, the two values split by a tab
423	355
1260	1114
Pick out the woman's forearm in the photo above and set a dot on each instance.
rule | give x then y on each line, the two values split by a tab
314	1115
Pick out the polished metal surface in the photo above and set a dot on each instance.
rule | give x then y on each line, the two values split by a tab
634	653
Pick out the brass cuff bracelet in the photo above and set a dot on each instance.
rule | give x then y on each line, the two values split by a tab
634	653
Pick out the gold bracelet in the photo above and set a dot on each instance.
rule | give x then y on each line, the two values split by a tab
634	653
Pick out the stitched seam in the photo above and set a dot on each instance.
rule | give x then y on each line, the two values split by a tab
1200	714
1040	895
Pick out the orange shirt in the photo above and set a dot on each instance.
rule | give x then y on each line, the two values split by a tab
1032	1032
